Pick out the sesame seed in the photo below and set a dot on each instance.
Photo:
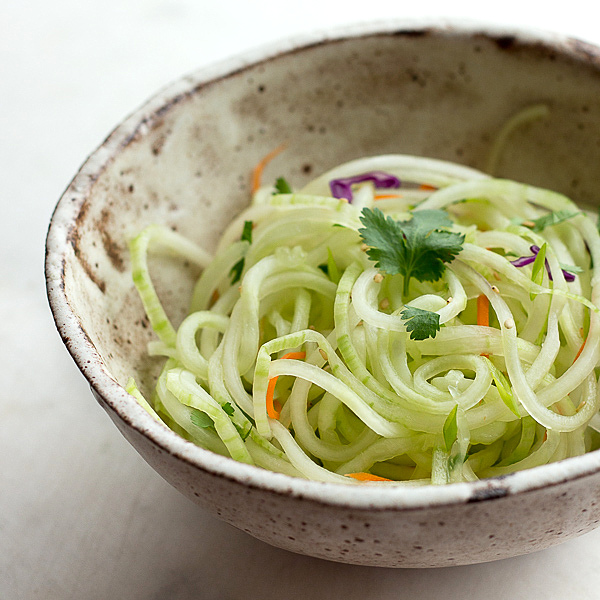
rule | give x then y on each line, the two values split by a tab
509	323
495	289
385	303
323	353
378	278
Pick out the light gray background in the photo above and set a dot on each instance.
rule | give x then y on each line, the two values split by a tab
81	515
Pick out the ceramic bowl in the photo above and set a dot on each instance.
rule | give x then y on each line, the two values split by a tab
185	158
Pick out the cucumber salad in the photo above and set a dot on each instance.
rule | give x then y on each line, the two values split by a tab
399	321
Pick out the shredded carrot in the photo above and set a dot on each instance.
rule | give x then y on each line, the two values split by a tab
580	350
214	297
273	406
424	186
274	414
386	196
295	355
366	477
483	311
259	168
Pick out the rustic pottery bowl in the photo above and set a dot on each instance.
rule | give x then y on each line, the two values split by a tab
184	159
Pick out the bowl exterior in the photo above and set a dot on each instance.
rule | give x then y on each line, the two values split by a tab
185	159
482	529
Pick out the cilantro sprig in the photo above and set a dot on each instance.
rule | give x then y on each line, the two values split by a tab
421	324
417	248
553	218
548	220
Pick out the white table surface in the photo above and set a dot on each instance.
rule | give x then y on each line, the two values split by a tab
81	515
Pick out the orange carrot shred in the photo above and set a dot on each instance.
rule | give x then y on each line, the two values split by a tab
425	186
483	311
386	196
274	414
580	350
366	477
273	406
296	355
260	167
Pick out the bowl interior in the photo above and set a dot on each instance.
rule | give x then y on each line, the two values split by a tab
185	160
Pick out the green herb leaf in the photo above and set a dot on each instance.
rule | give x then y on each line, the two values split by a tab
200	419
421	324
571	268
503	387
228	408
416	248
247	232
553	218
451	428
537	270
282	186
236	270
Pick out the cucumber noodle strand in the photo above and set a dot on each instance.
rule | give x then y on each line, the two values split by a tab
305	367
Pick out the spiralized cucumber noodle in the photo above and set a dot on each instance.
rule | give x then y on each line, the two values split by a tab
304	365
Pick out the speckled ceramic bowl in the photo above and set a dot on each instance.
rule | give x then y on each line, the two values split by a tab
185	158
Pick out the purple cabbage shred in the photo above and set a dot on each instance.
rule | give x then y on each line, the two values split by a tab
527	260
342	188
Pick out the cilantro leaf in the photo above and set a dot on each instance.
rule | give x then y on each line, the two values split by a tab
421	324
247	232
553	218
282	186
570	268
228	408
416	248
236	270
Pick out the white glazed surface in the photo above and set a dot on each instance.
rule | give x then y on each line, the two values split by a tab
186	155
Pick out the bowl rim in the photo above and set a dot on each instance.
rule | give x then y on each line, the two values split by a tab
117	401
